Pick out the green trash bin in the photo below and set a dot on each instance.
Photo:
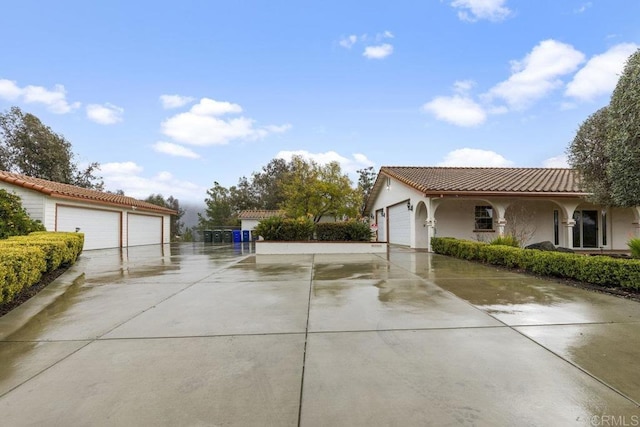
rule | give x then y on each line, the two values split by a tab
217	236
227	236
208	236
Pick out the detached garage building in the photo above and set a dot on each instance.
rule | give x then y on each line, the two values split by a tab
107	220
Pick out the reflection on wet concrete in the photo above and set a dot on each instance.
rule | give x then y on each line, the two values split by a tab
446	341
607	351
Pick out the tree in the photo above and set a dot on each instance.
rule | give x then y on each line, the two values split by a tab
268	185
366	179
242	197
624	136
218	208
14	220
29	147
317	191
171	203
588	155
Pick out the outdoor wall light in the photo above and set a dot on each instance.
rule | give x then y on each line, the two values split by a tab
382	214
409	205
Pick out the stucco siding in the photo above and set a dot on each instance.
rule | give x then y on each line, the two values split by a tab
622	228
32	201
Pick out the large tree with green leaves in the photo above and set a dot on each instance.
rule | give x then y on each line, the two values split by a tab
29	147
316	191
588	154
171	203
366	180
218	211
606	149
624	136
268	184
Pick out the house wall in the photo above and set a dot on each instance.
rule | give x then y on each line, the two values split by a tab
622	227
32	201
455	217
249	224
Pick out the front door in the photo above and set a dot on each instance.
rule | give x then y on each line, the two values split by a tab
585	232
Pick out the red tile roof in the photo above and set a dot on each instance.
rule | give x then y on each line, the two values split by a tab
71	192
259	214
476	181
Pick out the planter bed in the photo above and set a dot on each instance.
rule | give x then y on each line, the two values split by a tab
314	247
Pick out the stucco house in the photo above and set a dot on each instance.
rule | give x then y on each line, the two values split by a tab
107	220
250	218
409	205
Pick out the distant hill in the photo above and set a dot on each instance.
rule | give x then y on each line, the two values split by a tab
191	211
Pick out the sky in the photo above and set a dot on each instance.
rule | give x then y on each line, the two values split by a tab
172	96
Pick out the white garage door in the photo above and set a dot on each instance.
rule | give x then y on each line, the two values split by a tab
101	228
399	225
144	230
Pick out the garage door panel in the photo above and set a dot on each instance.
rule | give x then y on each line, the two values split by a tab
144	230
101	228
398	232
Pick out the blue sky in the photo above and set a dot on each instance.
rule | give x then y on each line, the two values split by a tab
172	96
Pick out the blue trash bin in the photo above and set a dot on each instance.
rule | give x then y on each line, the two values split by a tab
237	236
246	236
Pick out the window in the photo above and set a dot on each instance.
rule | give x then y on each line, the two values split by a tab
484	218
604	228
556	228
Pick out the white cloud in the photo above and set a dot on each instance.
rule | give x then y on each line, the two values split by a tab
378	52
122	168
457	110
211	107
385	35
537	74
559	161
174	101
128	177
475	157
174	150
106	114
349	41
347	165
278	129
201	126
475	10
583	7
600	75
463	86
55	100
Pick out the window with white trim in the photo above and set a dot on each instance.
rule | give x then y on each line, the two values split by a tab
484	218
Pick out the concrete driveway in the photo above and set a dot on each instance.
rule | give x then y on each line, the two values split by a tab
196	336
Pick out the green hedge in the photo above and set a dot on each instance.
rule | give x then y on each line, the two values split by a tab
355	231
304	229
23	259
597	270
287	229
20	267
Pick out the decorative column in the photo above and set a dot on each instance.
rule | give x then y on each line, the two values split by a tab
431	231
569	224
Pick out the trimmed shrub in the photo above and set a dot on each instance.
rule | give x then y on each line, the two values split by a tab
23	259
355	231
597	270
286	229
20	267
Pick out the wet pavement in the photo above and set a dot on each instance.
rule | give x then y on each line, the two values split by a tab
212	335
